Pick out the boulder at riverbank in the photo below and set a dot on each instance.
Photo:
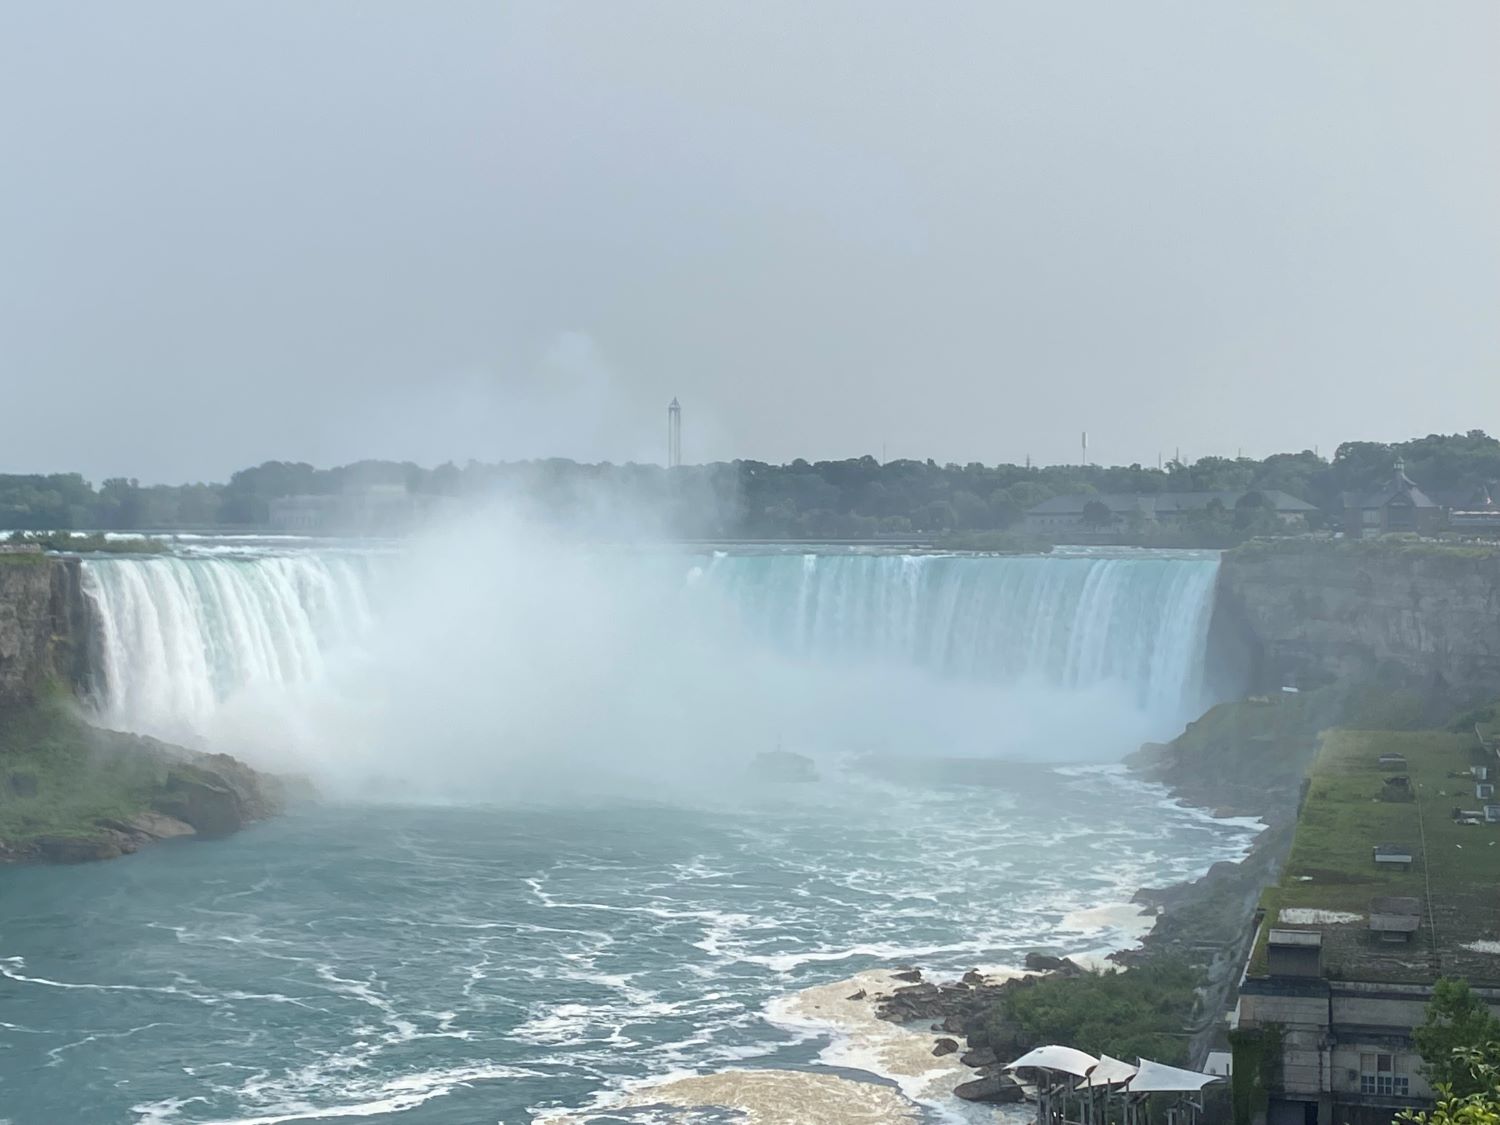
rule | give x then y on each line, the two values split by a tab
71	792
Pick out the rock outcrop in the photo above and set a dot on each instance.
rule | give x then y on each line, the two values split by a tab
1415	615
44	629
71	792
26	625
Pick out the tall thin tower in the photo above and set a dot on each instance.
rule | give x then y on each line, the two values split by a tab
674	435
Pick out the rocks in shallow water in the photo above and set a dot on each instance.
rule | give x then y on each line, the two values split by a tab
944	1047
979	1057
860	995
1046	963
998	1088
907	974
973	977
912	1003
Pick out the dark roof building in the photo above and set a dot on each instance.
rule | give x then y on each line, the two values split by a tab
1479	516
1397	505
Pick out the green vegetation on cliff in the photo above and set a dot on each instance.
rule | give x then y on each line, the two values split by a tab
72	791
59	777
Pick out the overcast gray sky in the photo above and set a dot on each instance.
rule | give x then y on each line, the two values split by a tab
432	230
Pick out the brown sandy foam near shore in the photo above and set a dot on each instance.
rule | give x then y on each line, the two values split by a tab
849	1012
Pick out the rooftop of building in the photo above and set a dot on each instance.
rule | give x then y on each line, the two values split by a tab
1400	489
1332	885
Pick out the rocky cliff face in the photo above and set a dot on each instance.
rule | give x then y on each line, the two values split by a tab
1418	616
32	612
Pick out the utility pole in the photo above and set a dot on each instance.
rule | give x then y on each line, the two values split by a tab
1085	449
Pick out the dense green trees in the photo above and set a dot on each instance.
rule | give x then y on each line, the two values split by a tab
1136	1014
854	498
1479	1067
1457	1022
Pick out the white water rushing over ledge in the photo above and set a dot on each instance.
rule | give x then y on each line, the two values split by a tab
198	649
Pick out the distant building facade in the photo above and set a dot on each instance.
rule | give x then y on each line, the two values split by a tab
1346	1050
1479	516
1397	506
1074	512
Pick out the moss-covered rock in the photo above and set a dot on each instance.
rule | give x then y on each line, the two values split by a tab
71	792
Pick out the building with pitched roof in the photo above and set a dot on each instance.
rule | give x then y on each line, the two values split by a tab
1397	505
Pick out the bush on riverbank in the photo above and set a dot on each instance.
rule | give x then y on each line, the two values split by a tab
1142	1012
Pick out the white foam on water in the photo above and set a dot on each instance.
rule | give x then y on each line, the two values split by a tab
759	1097
1125	920
395	1095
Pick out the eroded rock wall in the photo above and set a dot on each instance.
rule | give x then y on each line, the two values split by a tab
37	608
1421	617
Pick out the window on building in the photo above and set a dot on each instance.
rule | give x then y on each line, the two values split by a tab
1377	1075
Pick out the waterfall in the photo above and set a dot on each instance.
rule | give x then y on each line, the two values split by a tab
178	636
181	636
1139	623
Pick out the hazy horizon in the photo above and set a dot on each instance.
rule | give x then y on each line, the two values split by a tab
465	231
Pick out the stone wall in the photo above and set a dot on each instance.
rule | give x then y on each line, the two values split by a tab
1422	617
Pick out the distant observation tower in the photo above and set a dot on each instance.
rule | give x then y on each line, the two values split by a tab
674	435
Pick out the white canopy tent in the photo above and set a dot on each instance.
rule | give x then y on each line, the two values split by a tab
1053	1057
1110	1072
1159	1078
1108	1081
1056	1067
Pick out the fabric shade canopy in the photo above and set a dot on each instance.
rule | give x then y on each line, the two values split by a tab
1053	1057
1110	1072
1158	1078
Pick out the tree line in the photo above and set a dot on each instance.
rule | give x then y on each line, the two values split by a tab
854	498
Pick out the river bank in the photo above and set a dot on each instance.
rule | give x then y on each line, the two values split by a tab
1240	761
